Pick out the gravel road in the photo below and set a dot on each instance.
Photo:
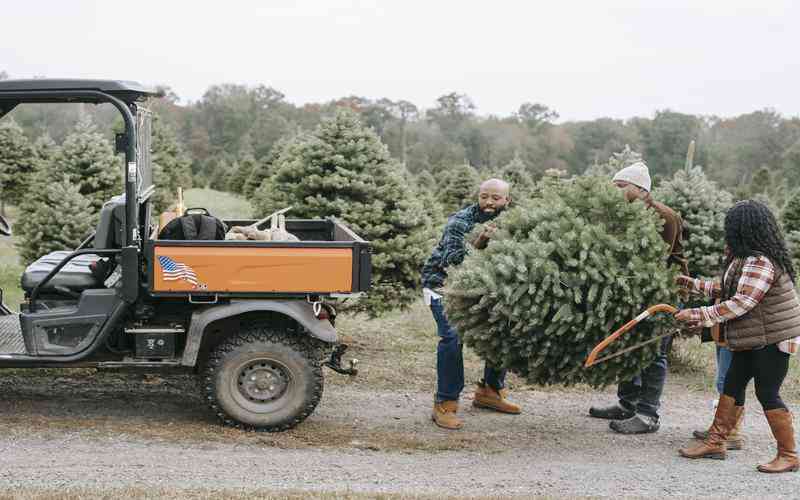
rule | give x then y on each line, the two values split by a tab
113	430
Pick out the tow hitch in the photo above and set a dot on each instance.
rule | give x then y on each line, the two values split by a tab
335	363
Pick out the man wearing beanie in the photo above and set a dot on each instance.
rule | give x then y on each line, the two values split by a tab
639	399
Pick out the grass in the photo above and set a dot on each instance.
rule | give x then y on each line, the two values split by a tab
10	267
400	342
220	204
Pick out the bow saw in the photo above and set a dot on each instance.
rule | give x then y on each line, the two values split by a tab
650	311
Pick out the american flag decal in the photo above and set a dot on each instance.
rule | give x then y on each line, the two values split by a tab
174	271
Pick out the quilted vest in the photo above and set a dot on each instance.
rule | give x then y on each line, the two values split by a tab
774	319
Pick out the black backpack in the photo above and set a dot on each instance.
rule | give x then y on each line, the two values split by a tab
194	226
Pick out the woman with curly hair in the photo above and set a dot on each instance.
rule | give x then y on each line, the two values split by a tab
760	313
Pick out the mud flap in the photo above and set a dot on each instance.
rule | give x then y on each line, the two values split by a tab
299	310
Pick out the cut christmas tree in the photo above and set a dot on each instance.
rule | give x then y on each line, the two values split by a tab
564	271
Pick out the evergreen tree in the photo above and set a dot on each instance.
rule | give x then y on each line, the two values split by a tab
172	167
46	151
214	172
424	186
237	178
552	180
617	162
17	163
263	167
562	273
793	243
88	160
516	174
343	170
220	174
702	206
769	201
57	217
256	174
790	216
459	187
761	181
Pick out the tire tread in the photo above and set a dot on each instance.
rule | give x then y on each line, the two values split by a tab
261	333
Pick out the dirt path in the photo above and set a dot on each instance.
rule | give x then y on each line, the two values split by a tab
128	430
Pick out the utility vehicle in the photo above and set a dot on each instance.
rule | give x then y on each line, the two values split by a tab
250	318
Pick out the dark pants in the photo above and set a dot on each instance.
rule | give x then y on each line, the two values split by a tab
643	393
450	360
768	366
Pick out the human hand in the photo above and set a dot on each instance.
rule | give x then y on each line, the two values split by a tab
685	316
488	230
485	235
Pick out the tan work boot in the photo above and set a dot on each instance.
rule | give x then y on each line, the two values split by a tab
488	397
714	445
444	415
780	421
735	440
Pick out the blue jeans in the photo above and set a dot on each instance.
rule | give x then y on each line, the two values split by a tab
450	360
724	358
643	393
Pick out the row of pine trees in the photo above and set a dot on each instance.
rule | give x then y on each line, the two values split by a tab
340	168
60	188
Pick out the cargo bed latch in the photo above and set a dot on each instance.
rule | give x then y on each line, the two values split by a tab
335	363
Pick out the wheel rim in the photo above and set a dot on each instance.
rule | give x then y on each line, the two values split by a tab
261	384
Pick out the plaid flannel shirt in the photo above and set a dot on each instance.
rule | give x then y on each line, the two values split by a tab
452	248
758	274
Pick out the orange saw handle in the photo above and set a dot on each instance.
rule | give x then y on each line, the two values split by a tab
650	311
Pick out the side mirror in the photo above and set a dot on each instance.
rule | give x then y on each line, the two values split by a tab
5	227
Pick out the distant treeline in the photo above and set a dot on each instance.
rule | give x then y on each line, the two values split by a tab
757	152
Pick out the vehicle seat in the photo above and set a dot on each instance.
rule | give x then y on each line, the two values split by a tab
77	275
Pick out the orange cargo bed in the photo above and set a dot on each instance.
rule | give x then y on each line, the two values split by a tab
328	259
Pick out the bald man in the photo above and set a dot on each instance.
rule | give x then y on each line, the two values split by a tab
493	198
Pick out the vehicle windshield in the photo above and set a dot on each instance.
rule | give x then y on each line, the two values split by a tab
144	118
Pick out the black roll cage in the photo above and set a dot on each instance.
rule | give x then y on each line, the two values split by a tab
48	91
96	96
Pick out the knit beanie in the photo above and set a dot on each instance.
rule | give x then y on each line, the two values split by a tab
637	174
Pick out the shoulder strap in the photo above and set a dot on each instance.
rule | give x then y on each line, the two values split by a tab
190	224
208	228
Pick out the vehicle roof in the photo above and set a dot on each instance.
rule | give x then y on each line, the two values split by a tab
126	90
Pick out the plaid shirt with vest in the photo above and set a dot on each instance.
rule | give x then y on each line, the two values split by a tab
758	275
452	248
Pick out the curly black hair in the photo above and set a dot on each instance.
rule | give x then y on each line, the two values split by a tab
751	229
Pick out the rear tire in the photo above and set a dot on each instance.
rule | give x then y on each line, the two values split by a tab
263	379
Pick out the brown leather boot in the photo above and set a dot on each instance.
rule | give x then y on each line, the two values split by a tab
444	415
714	445
735	440
780	421
488	397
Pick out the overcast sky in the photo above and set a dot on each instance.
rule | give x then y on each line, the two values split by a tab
583	59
